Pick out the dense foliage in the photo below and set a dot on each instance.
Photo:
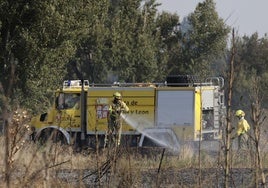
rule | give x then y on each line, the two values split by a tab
44	42
251	65
38	38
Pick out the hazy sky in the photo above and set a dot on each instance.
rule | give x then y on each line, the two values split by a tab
246	16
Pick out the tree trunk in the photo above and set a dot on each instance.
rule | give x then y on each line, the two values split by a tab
229	126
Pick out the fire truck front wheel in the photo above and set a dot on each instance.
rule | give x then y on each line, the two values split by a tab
51	135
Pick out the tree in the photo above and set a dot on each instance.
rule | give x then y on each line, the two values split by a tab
251	60
37	38
133	49
145	45
204	38
92	53
169	45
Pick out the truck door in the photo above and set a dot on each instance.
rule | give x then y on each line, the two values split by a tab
68	115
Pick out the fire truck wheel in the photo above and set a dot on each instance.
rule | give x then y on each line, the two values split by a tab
51	135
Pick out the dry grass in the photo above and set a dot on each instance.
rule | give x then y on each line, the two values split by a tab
59	166
36	166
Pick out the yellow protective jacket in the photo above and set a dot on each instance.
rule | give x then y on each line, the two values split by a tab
242	126
116	108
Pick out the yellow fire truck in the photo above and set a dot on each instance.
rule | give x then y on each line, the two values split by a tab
160	113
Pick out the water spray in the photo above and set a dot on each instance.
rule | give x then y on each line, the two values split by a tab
160	135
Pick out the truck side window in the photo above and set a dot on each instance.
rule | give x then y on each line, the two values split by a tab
68	101
71	100
60	101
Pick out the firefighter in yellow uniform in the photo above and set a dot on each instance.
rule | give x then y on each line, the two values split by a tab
242	130
114	118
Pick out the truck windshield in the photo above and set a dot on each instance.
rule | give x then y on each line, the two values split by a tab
68	100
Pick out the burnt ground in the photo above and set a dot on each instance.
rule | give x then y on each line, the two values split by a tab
212	177
166	177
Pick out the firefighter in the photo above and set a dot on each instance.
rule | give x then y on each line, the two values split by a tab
242	130
114	118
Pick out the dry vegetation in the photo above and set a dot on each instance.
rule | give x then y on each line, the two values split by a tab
55	165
